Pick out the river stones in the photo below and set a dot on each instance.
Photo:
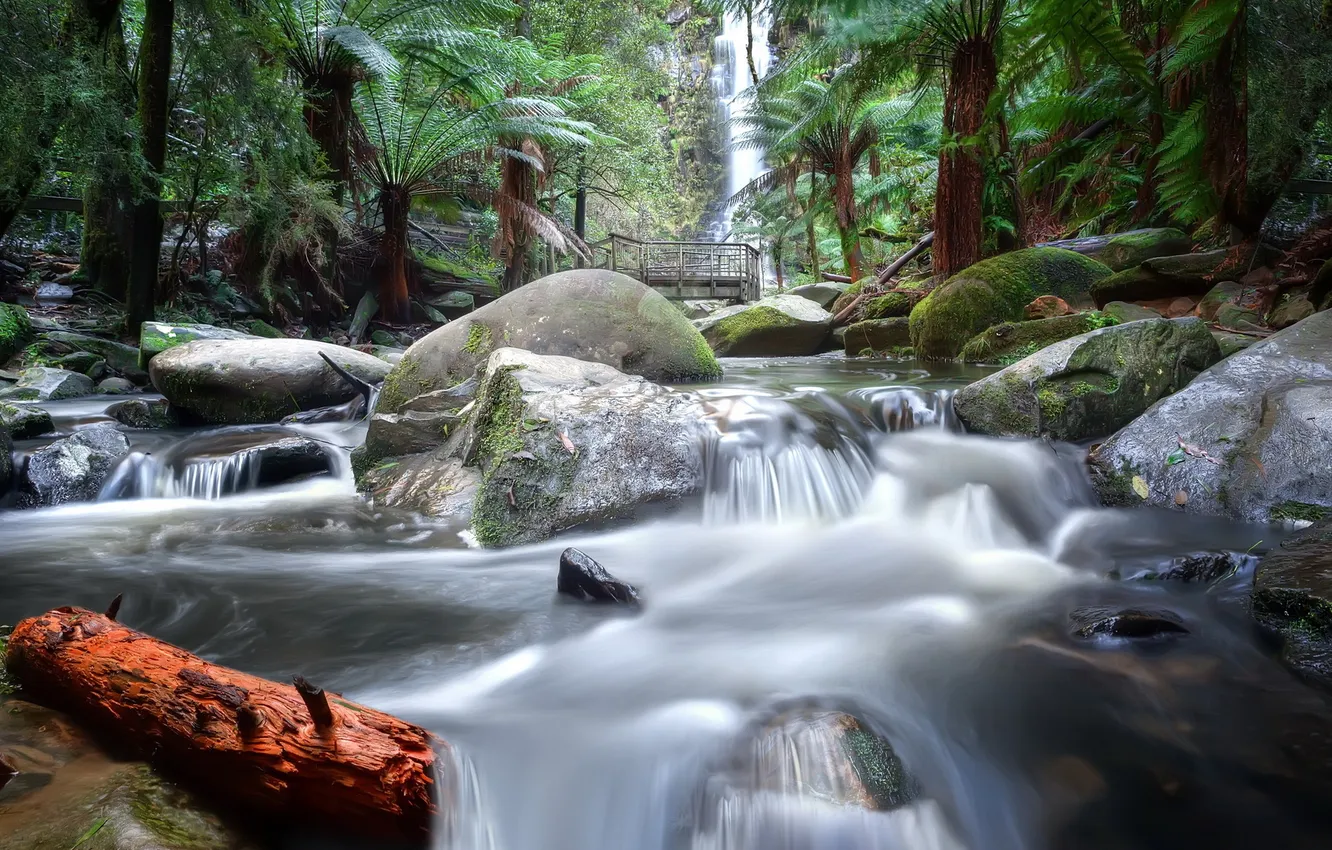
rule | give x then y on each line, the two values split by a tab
238	382
434	484
822	294
997	290
1090	385
589	314
120	357
777	326
143	413
1126	250
582	578
24	421
46	383
72	469
1249	438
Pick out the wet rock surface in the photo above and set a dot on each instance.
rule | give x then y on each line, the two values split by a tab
776	326
72	469
1292	594
583	578
1095	622
24	421
45	383
1247	439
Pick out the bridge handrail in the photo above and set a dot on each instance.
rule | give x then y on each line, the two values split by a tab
677	264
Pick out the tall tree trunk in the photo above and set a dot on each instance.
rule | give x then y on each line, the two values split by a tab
328	112
394	305
580	222
517	190
959	216
108	201
749	42
844	201
154	92
1226	151
777	264
522	25
811	234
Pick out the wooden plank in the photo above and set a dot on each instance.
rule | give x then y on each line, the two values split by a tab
1309	187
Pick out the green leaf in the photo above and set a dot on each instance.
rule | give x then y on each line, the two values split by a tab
1177	456
93	830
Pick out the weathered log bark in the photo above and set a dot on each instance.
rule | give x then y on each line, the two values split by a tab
245	741
886	275
836	278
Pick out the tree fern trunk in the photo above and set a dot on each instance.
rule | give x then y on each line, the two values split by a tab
394	305
958	215
108	202
154	91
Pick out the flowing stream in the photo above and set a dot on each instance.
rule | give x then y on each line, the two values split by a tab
851	552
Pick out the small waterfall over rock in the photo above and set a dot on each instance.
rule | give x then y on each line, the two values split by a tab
218	464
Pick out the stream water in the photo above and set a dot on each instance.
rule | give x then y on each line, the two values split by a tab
851	551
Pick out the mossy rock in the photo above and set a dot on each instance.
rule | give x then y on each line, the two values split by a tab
776	326
1123	312
588	314
1225	292
1292	592
24	421
1293	307
1162	277
994	291
1127	250
120	357
156	337
15	330
1090	385
1012	341
258	327
877	336
844	300
889	306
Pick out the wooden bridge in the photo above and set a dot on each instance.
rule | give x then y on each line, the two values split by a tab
731	271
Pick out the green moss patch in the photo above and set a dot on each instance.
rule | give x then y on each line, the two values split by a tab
15	330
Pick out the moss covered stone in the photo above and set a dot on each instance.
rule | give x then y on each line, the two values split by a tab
877	336
1090	385
1161	277
995	291
889	306
1125	250
15	330
1012	341
777	326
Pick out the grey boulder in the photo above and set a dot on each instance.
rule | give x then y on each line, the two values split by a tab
822	294
72	469
237	382
1249	438
45	383
24	421
1090	385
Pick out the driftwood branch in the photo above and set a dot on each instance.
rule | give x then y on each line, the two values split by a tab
268	749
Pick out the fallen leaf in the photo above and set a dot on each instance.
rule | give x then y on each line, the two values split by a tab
1194	451
1177	456
1140	487
1181	498
513	503
567	443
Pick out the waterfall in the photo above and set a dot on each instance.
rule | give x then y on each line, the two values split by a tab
731	79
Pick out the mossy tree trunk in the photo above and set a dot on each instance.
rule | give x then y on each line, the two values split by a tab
1226	151
959	215
395	203
844	203
328	113
811	232
154	94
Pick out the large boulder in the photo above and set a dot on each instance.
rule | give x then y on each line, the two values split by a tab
72	469
1256	432
15	330
46	383
1127	250
589	314
238	382
822	294
1090	385
1012	341
890	305
994	291
1292	594
1162	277
156	337
548	443
24	421
776	326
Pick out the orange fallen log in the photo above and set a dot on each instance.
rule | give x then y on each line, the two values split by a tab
294	753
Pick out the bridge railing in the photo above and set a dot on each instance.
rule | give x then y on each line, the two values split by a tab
732	270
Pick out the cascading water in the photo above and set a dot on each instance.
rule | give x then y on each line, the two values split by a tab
854	557
731	78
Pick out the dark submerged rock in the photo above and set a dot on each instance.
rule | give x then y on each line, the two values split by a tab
583	578
24	421
1292	594
1094	622
143	413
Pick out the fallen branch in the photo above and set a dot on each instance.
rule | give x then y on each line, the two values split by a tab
836	278
886	275
240	739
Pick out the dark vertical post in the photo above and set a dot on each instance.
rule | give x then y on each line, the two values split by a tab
154	89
